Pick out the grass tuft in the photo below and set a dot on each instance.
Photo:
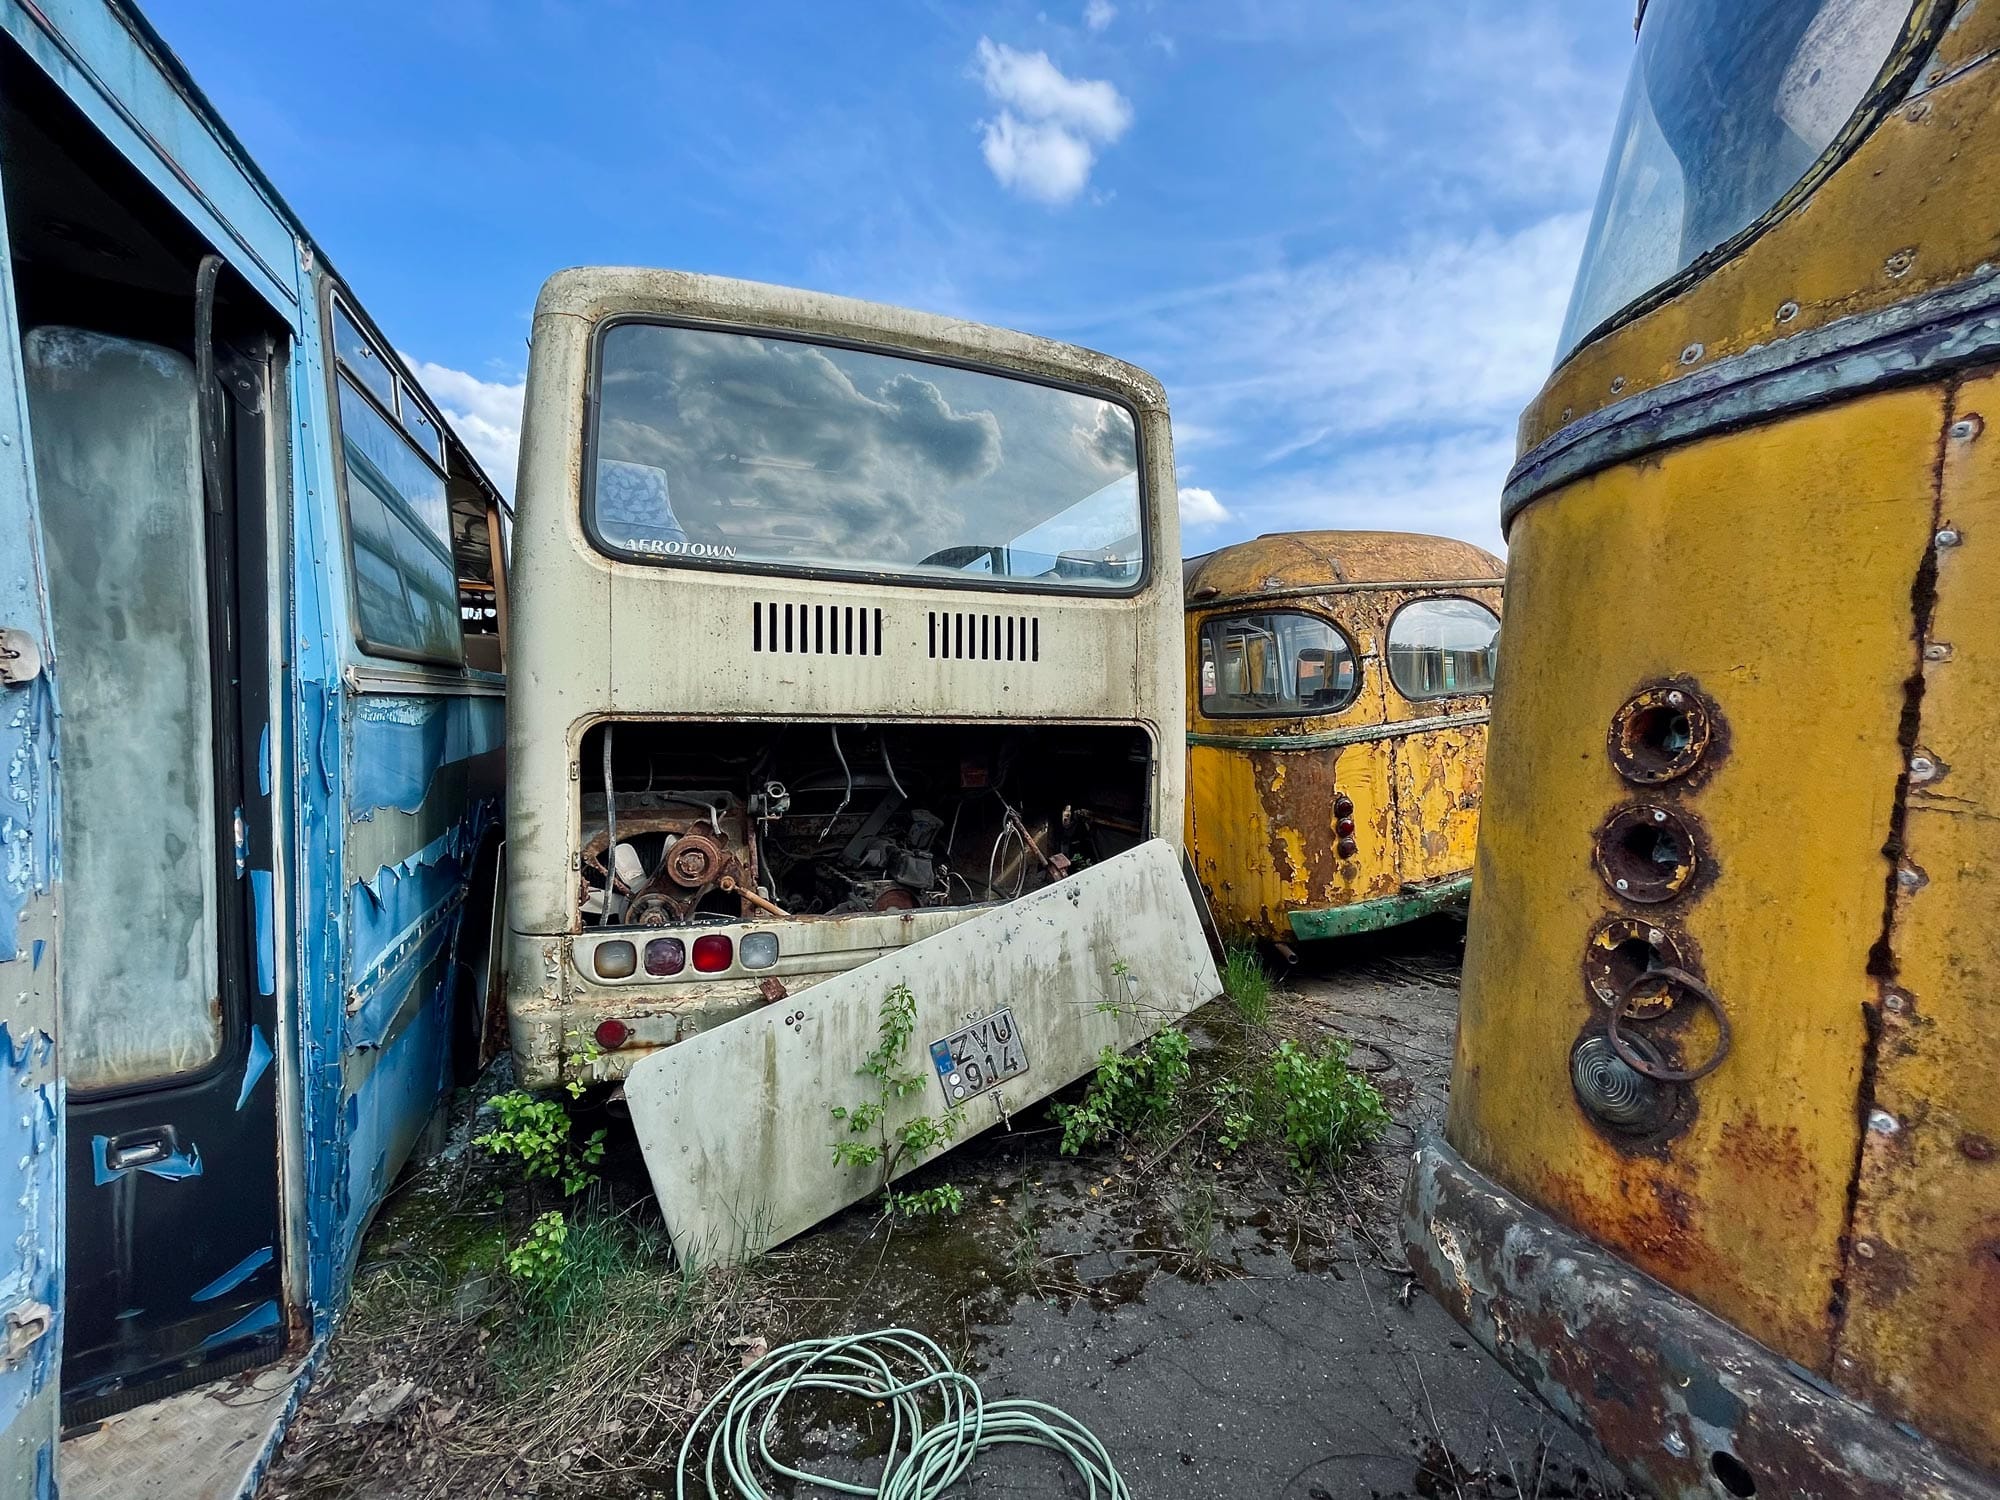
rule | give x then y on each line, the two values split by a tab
1247	985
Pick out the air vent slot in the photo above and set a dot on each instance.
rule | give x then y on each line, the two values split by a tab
816	629
958	635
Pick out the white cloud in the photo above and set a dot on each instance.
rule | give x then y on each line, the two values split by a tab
1199	507
486	415
1099	14
1377	391
1044	141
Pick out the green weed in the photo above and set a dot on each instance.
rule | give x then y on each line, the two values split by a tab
1325	1109
1128	1093
538	1133
868	1142
942	1201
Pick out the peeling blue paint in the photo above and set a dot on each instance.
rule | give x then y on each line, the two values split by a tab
264	760
254	1065
27	826
171	1168
236	1275
260	1319
40	945
400	744
267	942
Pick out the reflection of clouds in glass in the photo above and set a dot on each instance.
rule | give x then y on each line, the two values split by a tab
1108	436
797	452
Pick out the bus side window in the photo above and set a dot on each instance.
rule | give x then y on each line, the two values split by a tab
398	515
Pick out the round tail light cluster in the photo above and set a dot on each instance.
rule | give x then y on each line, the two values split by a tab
1343	828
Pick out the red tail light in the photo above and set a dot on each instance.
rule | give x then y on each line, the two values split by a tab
712	953
611	1035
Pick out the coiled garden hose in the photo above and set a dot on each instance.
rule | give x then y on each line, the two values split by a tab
939	1421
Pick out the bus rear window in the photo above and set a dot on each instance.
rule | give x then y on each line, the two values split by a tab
1441	648
740	450
1270	665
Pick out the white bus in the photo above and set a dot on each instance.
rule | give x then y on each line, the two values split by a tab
834	623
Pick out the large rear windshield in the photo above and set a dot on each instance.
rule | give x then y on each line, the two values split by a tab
746	450
1729	104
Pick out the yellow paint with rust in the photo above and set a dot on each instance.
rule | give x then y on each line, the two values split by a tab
1835	1188
1921	1338
1261	821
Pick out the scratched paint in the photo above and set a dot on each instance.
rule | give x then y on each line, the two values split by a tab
236	1275
399	745
254	1065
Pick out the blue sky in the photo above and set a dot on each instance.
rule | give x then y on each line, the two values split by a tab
1342	233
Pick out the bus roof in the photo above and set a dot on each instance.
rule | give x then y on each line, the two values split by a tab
1291	561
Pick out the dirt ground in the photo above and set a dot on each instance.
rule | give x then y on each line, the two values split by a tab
1224	1328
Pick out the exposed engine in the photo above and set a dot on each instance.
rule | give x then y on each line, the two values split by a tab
728	822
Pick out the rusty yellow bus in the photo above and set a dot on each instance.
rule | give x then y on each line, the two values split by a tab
1337	689
1721	1175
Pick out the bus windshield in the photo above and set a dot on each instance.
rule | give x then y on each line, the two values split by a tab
1730	102
747	450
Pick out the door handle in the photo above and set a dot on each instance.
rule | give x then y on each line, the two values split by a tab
27	1322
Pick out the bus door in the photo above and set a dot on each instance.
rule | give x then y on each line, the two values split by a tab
31	1128
148	390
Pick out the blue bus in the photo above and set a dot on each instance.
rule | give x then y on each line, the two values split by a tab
253	623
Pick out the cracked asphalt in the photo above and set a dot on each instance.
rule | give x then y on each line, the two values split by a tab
1290	1361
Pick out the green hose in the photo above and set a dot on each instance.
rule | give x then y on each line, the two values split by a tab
939	1420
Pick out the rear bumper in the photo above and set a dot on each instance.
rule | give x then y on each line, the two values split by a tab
1684	1403
1384	911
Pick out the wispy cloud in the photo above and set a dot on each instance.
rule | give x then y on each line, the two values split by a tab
1372	391
1044	141
1099	14
486	415
1199	507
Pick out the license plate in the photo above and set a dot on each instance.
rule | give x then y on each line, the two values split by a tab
986	1053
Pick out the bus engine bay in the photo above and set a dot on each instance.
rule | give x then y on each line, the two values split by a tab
712	823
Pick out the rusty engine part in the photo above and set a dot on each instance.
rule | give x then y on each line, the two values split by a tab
672	857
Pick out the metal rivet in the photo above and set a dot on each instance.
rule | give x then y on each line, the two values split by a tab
1617	384
1965	429
1675	1444
1921	110
1787	311
1922	768
1676	698
1908	879
1623	884
1846	1361
1568	412
1692	353
1655	936
1900	262
1937	651
1865	1249
1659	816
1893	1000
1882	1122
1947	538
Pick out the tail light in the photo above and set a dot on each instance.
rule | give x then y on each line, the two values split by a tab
758	950
615	960
665	956
611	1035
712	953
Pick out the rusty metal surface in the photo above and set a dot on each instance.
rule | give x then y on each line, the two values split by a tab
1283	562
1918	1319
1682	1402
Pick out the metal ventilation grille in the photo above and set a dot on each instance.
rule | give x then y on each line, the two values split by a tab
816	629
958	636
